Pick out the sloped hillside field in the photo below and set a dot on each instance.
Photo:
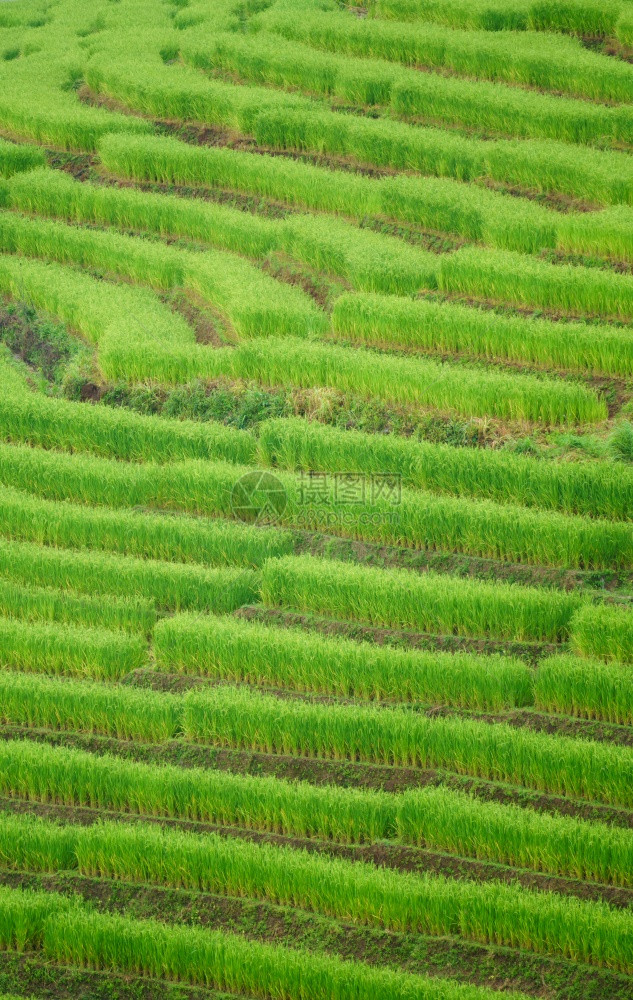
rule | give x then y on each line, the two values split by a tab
316	500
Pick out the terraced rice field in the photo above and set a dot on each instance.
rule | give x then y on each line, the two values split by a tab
316	500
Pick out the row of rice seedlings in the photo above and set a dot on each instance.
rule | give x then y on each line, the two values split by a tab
268	59
582	17
232	649
16	158
362	893
161	347
13	373
236	650
139	339
330	245
38	99
506	276
364	258
401	380
176	586
434	817
446	327
591	689
403	599
475	213
46	604
380	512
591	488
74	935
87	707
604	631
544	165
255	303
607	233
100	310
28	518
557	63
36	419
246	719
61	648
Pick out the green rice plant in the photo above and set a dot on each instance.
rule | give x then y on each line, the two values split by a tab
608	233
13	374
36	419
159	266
176	586
503	110
438	819
409	518
366	259
432	817
16	159
547	165
173	91
139	337
620	442
405	380
394	380
603	631
57	194
167	160
100	310
623	30
236	650
522	280
23	917
555	62
238	717
88	707
79	936
38	98
591	689
59	648
431	602
255	303
158	349
581	17
107	782
544	165
267	59
26	518
443	327
380	511
592	488
403	902
46	604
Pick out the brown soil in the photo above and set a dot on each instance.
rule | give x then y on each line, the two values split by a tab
458	564
198	314
360	631
32	975
385	855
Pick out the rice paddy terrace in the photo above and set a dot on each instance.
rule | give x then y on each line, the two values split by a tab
316	500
